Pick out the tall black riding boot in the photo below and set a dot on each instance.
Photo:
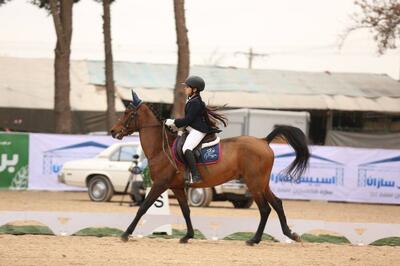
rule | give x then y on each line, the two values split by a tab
191	161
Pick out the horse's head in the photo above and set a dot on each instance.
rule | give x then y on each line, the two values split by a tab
129	122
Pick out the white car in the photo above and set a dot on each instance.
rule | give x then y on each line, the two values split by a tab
105	174
108	173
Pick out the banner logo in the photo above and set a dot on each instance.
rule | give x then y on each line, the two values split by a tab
380	175
54	159
323	171
8	164
14	160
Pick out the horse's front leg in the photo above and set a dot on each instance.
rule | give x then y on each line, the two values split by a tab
181	196
155	192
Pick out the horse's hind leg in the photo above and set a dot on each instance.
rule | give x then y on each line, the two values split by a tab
180	195
278	207
155	192
265	210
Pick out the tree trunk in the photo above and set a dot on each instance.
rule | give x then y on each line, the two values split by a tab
62	17
110	87
62	107
183	58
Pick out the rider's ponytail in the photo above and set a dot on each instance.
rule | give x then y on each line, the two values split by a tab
213	118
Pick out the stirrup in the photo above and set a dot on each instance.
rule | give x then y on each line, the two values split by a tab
198	179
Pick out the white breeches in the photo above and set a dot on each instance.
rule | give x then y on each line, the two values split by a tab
193	139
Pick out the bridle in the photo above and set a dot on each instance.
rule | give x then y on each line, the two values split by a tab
165	142
132	117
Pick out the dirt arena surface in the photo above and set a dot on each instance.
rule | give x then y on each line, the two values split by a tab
311	210
52	250
73	250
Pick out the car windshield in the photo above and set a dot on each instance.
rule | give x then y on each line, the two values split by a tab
114	151
126	153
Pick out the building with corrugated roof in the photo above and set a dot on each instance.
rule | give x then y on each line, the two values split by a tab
340	104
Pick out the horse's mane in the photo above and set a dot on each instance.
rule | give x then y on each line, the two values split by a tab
155	112
160	118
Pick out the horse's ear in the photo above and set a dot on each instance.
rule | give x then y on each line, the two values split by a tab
136	101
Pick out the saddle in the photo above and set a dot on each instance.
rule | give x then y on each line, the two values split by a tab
207	152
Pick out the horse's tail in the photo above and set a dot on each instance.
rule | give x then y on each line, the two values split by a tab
296	138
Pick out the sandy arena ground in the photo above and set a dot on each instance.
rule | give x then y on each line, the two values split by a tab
55	250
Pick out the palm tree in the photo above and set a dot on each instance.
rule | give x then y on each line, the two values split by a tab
61	11
110	86
183	57
4	1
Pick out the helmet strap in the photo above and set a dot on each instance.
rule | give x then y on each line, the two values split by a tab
194	92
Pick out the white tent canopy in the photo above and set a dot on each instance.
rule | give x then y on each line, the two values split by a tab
29	84
269	89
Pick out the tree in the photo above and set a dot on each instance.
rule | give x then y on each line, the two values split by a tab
109	73
183	57
382	18
61	11
4	1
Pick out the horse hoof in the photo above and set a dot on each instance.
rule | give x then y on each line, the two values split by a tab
124	237
186	238
183	240
251	242
296	237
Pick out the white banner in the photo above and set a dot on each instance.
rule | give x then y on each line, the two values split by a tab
335	173
340	174
48	152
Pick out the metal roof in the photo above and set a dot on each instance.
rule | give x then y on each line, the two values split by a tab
29	83
159	76
270	89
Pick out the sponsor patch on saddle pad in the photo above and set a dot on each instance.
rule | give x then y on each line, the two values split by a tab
208	155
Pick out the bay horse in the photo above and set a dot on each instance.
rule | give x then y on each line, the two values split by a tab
248	157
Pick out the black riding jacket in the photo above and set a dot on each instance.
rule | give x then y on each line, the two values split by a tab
195	112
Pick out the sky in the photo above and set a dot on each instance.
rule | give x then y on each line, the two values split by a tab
293	35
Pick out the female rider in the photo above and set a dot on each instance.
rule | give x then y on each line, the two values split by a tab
199	120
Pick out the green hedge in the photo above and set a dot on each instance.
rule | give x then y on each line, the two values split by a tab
106	231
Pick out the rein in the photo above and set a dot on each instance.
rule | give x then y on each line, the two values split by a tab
164	136
169	156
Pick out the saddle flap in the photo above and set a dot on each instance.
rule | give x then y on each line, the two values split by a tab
201	156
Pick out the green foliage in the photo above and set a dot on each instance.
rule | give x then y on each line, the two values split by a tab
389	241
25	230
178	234
4	1
99	232
146	177
324	239
247	235
46	3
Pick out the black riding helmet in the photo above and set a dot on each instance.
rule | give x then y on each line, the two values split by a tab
195	82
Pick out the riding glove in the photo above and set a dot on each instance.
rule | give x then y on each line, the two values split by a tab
170	122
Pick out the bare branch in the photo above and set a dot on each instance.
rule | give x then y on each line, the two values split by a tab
382	18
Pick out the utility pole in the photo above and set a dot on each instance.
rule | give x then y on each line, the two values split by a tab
250	55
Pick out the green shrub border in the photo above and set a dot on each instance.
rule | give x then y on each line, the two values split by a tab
113	232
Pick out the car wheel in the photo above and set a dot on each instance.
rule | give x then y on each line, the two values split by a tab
100	189
242	204
199	197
